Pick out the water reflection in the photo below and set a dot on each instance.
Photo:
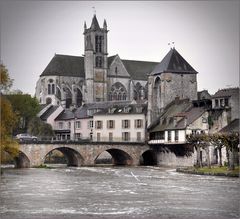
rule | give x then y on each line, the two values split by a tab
114	192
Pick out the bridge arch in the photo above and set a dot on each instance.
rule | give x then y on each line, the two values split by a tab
73	157
119	157
148	158
21	160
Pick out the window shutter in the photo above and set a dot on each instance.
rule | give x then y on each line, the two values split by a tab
108	124
135	123
129	124
95	124
122	123
113	123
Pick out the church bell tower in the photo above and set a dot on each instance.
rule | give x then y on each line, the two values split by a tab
95	61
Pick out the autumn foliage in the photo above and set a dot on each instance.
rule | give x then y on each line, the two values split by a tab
8	117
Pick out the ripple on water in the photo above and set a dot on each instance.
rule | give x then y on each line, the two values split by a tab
116	191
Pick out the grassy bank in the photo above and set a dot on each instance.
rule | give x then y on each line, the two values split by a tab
215	171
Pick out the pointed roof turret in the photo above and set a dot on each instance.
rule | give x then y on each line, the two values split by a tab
85	25
94	25
105	24
173	62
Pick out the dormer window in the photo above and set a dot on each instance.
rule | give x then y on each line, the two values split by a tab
139	109
111	110
126	109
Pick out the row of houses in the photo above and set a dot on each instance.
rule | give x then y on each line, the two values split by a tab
126	121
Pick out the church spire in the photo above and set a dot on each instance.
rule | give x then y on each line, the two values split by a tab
95	25
85	25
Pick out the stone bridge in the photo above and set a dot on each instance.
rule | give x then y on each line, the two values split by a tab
86	154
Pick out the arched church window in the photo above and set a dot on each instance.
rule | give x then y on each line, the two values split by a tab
115	96
99	61
116	70
79	97
142	93
49	88
98	43
117	92
139	92
68	97
53	89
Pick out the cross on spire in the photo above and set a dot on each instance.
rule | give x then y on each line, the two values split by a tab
172	46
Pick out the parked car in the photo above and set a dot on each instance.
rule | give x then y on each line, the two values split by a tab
26	137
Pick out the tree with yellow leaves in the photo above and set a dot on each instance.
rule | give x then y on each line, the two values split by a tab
8	118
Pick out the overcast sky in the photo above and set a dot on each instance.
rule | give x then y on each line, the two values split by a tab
206	34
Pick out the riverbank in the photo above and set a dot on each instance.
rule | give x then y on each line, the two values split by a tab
214	171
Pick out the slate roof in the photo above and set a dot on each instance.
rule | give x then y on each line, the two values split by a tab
233	126
139	70
110	59
183	110
226	92
82	112
192	115
173	62
65	65
65	115
171	110
48	112
119	109
73	66
203	95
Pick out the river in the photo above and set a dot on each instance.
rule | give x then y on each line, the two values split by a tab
115	192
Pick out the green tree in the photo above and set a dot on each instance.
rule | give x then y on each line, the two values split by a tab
40	129
200	141
5	80
26	107
231	141
217	140
8	117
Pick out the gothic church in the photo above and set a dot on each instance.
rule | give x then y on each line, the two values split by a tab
97	77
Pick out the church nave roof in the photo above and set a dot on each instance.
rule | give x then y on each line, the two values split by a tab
65	65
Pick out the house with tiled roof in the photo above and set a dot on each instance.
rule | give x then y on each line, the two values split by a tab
178	120
227	99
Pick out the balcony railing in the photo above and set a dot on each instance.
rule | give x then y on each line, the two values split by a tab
162	141
157	141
